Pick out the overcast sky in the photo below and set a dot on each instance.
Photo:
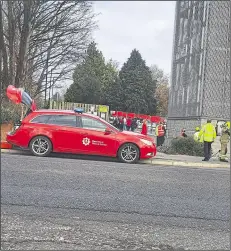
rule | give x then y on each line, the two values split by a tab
144	25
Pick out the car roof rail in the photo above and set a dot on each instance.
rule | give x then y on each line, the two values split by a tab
78	110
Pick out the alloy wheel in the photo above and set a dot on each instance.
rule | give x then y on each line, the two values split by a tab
40	146
129	153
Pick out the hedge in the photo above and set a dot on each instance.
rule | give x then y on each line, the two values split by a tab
185	146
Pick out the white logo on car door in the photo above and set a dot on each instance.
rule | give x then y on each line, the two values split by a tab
86	141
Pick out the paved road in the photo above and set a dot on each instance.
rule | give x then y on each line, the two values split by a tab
55	203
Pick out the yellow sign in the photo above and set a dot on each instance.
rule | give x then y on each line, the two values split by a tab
103	108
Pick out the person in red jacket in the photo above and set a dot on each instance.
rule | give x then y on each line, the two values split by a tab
129	123
144	130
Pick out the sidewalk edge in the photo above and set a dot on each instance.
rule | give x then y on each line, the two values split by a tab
185	163
12	151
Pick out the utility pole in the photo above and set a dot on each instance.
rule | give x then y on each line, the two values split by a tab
46	89
49	99
46	79
52	89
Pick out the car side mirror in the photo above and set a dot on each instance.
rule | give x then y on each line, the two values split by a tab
108	131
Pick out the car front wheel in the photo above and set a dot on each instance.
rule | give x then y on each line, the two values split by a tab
40	146
129	153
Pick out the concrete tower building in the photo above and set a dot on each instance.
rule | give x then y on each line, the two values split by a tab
200	81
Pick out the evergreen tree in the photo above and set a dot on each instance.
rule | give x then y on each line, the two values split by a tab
137	85
90	79
114	95
108	82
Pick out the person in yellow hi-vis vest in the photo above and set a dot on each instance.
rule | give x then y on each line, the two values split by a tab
196	135
208	132
227	124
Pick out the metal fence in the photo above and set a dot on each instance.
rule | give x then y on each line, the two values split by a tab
99	110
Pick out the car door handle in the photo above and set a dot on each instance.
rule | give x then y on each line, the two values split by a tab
59	130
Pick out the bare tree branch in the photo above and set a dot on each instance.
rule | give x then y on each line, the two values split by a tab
25	37
38	35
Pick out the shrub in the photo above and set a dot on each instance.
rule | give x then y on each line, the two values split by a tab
165	149
186	146
10	113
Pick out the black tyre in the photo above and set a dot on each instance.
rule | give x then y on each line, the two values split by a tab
40	146
129	153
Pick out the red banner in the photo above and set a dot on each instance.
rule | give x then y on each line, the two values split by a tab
131	115
143	116
119	114
153	119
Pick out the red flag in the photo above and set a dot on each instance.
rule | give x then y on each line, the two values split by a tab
18	96
14	94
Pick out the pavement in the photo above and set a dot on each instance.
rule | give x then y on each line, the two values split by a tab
186	161
160	159
57	203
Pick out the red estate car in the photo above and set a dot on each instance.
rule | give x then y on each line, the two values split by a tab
46	131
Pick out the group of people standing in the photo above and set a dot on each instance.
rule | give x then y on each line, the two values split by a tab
207	134
125	124
129	124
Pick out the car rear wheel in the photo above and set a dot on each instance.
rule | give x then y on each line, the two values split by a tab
129	153
40	146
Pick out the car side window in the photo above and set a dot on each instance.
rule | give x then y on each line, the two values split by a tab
41	119
63	120
93	124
